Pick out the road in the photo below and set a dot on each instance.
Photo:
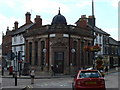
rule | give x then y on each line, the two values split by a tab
111	82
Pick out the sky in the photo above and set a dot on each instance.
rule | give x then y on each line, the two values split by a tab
105	11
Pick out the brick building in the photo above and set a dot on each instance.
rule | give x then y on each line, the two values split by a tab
60	45
6	47
7	42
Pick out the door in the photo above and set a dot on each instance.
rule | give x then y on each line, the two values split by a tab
59	62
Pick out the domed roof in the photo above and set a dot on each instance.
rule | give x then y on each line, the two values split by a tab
59	19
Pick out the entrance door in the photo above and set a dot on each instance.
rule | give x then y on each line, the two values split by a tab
59	62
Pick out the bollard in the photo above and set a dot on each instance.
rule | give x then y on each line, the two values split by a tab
15	78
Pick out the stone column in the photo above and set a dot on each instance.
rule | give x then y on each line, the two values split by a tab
78	54
39	52
33	52
26	51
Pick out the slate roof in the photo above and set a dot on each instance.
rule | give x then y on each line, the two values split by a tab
113	41
23	28
96	29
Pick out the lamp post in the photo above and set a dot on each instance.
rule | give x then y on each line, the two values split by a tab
44	51
73	51
20	61
16	70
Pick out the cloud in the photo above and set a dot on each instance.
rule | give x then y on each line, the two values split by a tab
83	3
7	22
113	32
114	3
8	3
46	6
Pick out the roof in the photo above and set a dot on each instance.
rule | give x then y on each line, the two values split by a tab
113	41
23	28
59	19
98	30
0	46
59	28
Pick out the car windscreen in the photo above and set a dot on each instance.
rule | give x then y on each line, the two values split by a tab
89	74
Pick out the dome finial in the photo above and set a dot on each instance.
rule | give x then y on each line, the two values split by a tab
59	11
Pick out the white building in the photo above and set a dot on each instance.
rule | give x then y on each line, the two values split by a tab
18	41
102	39
0	54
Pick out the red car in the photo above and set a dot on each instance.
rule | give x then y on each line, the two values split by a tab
88	79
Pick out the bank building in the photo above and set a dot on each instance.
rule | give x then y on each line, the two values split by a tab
59	45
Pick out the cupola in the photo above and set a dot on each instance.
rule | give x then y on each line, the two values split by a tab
59	19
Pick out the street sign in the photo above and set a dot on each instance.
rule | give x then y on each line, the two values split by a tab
10	55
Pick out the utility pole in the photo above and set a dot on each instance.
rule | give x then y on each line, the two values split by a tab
93	25
16	71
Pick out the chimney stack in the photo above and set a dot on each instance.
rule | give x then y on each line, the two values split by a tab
28	18
16	25
38	21
91	20
82	22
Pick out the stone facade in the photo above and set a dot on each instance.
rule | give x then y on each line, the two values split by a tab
60	45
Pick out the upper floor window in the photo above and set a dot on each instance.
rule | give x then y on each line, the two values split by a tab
21	48
52	35
14	49
100	39
15	38
65	35
116	50
21	38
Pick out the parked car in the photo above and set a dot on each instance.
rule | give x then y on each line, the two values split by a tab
88	79
101	71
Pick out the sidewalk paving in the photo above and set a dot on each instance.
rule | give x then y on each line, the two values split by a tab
6	75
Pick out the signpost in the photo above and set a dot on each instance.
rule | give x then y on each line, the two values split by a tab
17	62
11	55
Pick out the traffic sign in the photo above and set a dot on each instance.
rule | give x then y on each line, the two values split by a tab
10	55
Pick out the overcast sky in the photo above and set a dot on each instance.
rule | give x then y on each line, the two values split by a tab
106	12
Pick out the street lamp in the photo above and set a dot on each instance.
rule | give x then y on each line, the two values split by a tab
44	51
73	51
71	62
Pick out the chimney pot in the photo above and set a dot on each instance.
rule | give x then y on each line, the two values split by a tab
16	25
28	18
82	22
83	16
38	20
91	20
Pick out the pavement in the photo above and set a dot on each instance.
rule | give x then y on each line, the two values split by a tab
6	75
